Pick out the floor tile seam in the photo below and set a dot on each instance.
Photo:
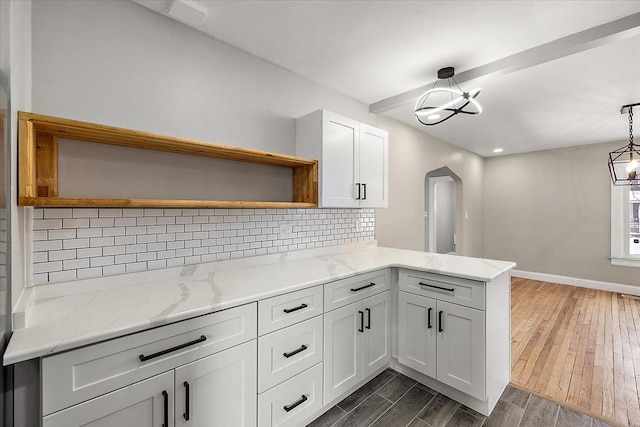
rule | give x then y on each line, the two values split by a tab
382	385
372	393
384	412
345	413
422	409
392	404
403	394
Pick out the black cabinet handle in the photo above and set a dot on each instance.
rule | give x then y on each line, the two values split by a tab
358	185
440	322
291	310
368	318
144	358
165	398
186	401
363	287
436	287
295	404
361	321
429	326
364	191
296	351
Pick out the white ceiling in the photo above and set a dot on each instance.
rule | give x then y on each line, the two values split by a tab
372	50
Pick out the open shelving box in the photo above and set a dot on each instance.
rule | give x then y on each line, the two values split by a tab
38	164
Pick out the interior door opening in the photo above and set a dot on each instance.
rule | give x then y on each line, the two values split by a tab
443	197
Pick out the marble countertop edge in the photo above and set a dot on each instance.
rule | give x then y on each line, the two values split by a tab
60	323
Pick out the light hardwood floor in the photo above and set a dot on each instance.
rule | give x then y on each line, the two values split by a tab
577	346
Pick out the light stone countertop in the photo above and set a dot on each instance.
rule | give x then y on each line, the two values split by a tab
69	315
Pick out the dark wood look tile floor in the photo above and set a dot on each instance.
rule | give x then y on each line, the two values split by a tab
394	400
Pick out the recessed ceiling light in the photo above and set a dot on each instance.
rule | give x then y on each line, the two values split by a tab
498	150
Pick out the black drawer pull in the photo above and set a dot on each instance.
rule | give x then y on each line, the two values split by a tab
440	322
294	352
186	401
363	287
291	310
429	326
165	399
144	358
296	404
436	287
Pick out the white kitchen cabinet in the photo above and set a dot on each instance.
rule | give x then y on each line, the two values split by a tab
417	333
219	390
148	403
353	159
461	348
356	343
376	341
444	341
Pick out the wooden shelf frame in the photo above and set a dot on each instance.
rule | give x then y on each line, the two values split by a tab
38	164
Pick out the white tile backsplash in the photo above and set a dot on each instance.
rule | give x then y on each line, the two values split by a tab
77	243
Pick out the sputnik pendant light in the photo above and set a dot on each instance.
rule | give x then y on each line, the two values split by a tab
441	103
624	163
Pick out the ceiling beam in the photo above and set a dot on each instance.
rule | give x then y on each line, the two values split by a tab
610	32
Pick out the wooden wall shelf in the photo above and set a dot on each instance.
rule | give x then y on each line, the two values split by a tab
38	164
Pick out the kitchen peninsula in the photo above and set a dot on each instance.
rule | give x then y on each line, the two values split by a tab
165	335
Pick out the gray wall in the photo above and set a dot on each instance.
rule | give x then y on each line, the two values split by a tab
550	212
118	63
413	154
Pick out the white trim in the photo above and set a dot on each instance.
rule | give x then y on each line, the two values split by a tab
575	281
620	249
625	262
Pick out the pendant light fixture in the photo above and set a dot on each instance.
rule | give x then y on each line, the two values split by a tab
624	163
441	103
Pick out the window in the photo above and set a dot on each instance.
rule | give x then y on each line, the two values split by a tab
625	226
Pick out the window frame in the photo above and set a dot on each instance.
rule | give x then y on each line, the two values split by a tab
620	255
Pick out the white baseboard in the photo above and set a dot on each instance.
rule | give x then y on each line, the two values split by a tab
575	281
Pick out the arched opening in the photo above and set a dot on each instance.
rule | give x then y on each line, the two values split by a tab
443	212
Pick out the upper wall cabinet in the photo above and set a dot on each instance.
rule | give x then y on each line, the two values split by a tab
353	156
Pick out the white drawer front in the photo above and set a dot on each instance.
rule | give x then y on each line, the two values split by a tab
289	351
78	375
285	310
345	291
304	391
469	293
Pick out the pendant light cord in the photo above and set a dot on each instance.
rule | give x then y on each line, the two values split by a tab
630	126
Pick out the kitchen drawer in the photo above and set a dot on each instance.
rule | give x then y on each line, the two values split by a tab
285	310
79	375
345	291
469	293
289	351
293	401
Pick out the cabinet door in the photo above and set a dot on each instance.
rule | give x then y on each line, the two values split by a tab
339	161
417	332
374	166
342	350
376	341
141	404
461	360
221	389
